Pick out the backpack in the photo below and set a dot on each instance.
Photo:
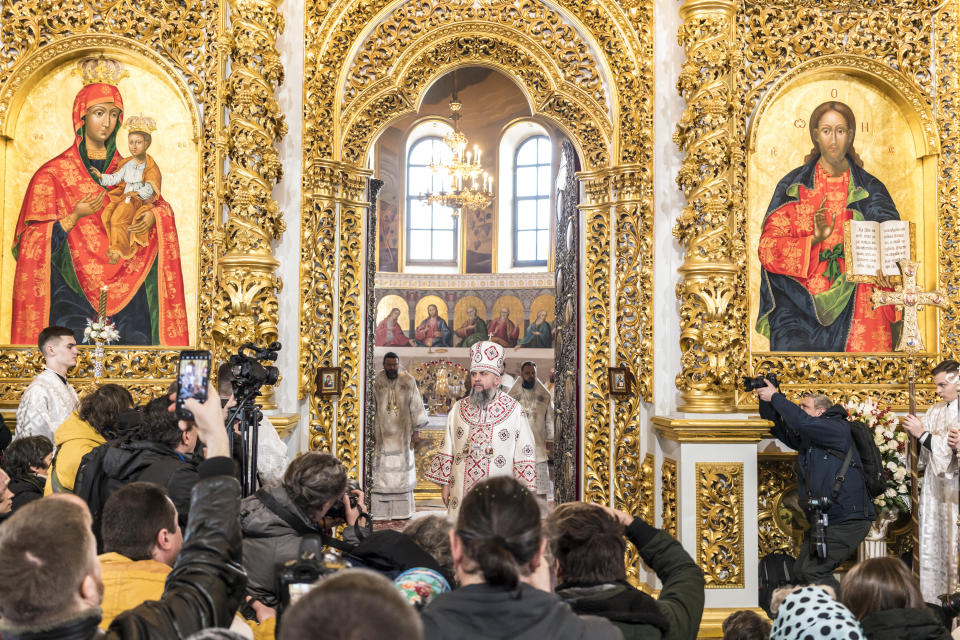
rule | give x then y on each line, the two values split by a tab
871	462
775	571
94	484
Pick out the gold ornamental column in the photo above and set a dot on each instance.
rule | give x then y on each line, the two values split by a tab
709	339
246	306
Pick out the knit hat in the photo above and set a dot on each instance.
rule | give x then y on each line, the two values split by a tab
487	356
811	613
420	585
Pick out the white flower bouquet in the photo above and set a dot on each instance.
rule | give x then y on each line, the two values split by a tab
893	451
104	331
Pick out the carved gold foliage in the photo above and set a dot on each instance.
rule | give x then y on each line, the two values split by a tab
720	524
668	497
774	477
185	41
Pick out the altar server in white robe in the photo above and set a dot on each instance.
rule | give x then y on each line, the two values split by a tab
49	400
400	416
487	434
938	439
537	403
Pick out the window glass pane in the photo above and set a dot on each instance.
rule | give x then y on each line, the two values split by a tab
543	245
544	180
419	214
419	245
543	213
443	245
418	180
526	215
526	181
544	152
526	246
441	152
421	152
527	153
442	217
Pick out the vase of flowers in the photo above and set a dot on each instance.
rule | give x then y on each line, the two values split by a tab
100	332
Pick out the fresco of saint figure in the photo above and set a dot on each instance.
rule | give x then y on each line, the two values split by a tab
806	301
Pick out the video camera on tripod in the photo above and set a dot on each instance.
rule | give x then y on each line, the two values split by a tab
249	374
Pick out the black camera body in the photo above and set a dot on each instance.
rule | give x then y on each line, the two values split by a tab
248	372
296	577
759	382
817	514
338	510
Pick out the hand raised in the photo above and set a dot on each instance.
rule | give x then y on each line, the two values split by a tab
822	230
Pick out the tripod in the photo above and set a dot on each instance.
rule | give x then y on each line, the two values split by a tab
249	416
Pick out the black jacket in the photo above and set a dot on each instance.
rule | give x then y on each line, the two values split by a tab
812	437
203	590
674	615
903	624
25	490
482	612
143	461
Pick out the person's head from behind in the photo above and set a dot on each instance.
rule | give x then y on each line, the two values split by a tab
160	425
58	347
339	608
432	534
48	562
746	625
498	537
102	407
140	522
314	481
880	584
28	456
587	544
814	404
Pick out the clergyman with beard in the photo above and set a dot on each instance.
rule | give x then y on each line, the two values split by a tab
487	434
400	416
537	403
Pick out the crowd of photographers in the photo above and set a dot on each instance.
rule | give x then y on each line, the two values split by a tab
134	523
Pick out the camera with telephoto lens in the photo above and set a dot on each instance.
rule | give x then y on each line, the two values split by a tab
338	510
248	372
817	511
950	606
759	382
296	577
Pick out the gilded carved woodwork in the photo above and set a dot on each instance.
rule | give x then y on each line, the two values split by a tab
776	476
668	496
587	66
185	43
738	55
720	526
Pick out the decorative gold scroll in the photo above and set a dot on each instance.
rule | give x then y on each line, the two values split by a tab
587	66
737	55
776	475
720	530
184	41
668	497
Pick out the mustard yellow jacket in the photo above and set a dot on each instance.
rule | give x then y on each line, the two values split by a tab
74	439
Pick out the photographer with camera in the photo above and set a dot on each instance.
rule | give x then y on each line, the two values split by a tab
313	497
830	483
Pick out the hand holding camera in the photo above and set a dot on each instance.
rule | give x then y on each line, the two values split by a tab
765	385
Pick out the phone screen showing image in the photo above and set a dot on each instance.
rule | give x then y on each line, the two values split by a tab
193	376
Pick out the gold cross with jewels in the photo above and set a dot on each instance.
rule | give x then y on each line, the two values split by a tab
911	298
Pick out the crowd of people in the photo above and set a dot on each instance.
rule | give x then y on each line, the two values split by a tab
126	522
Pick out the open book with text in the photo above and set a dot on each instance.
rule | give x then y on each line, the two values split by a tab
872	249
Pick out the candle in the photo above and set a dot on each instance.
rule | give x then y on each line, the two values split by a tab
102	307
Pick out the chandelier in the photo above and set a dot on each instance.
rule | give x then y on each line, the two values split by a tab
464	183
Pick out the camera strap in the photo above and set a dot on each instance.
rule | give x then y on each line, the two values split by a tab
842	475
296	523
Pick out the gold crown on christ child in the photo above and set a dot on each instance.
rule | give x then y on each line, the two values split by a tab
140	124
101	70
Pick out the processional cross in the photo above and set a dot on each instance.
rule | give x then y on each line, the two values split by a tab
911	299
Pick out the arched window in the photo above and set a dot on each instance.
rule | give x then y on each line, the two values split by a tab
431	233
532	184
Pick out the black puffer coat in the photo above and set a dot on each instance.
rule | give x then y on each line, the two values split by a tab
903	624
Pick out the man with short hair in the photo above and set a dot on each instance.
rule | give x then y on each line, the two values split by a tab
272	458
141	540
399	418
487	434
588	544
537	403
50	577
938	438
820	433
276	517
49	400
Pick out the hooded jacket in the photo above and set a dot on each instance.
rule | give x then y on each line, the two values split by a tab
74	439
484	612
817	468
903	624
204	588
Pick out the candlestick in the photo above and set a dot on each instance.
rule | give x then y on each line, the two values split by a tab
102	306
